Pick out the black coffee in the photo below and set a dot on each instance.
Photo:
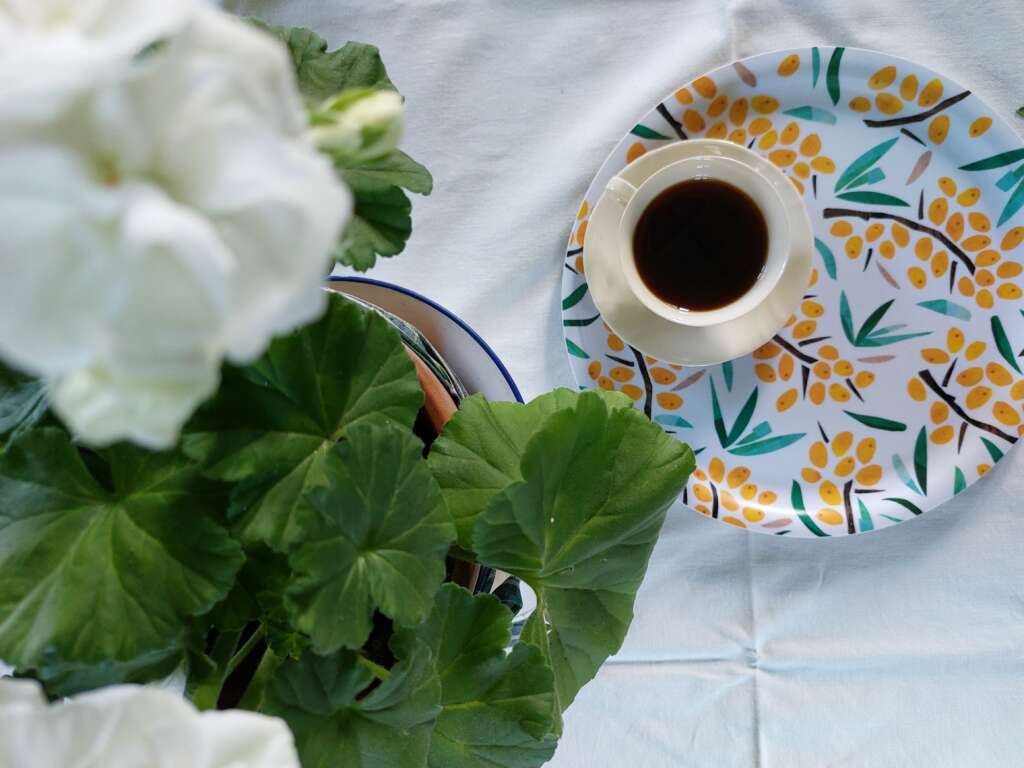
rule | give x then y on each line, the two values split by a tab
700	244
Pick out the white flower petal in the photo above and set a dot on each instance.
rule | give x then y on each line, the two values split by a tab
130	725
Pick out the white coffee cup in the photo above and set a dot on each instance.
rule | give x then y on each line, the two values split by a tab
745	177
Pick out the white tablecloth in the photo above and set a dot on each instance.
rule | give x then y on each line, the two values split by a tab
901	648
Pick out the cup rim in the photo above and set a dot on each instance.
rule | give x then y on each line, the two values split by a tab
750	180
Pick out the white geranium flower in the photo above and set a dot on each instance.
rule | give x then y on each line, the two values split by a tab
131	725
170	217
51	50
359	124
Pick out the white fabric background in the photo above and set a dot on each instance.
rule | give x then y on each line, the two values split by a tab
899	648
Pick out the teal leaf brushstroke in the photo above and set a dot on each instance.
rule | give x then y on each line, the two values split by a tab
866	523
904	475
1007	181
716	413
1003	343
916	510
761	430
873	176
815	66
796	498
959	481
832	75
648	133
727	374
995	161
864	162
894	519
575	350
575	297
993	450
867	197
770	445
826	257
742	420
580	322
1012	205
946	307
877	422
671	420
814	114
921	460
846	317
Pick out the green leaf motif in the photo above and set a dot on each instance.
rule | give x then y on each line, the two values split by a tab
335	715
1012	205
1003	343
648	133
395	169
945	307
995	161
380	226
581	534
671	420
864	162
104	575
576	350
321	74
869	335
379	541
716	413
873	176
815	66
908	505
921	460
796	498
846	317
814	114
727	372
959	481
1009	180
867	197
832	75
23	403
742	419
582	322
904	474
866	523
478	453
877	422
575	297
770	445
271	425
761	430
827	258
496	708
993	450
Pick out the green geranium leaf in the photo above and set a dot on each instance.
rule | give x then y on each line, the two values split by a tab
395	169
478	453
271	425
322	73
380	541
22	403
580	526
93	574
496	707
380	225
338	720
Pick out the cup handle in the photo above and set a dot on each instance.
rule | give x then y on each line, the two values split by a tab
620	190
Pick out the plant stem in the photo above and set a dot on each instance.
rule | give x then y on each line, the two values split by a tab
921	116
373	668
926	377
207	692
245	650
833	213
253	697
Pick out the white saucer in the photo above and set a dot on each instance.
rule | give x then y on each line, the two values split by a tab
688	345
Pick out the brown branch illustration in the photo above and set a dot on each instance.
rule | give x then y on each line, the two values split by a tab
793	350
920	116
933	385
835	213
850	527
676	125
648	387
714	500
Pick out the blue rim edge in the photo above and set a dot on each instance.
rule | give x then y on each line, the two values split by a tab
447	313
